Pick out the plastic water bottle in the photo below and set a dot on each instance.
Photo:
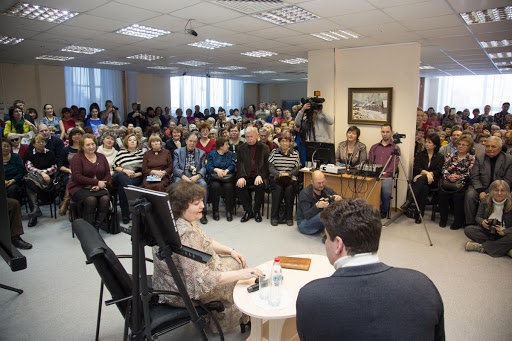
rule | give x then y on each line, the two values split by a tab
276	282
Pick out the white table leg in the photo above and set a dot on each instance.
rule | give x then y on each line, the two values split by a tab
256	329
275	329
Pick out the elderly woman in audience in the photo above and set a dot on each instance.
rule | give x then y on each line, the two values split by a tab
351	152
50	119
94	121
128	171
427	170
107	148
90	174
14	170
204	282
17	124
64	164
66	123
455	180
42	163
156	166
284	165
121	133
220	168
189	166
176	141
493	232
18	147
206	144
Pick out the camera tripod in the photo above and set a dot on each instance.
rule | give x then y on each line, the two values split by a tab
395	154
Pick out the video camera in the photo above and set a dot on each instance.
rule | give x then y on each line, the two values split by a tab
492	225
397	138
315	102
329	199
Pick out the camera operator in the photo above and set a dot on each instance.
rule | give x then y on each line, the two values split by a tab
311	122
111	114
312	200
137	117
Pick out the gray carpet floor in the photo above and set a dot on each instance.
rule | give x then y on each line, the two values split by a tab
61	291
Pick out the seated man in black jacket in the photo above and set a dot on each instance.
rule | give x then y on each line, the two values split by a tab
251	172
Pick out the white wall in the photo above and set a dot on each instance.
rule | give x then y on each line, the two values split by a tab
273	92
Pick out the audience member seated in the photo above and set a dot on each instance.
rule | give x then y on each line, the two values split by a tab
235	140
312	200
427	170
108	140
90	174
492	232
16	225
17	124
180	119
379	154
220	168
451	147
52	143
17	147
264	138
456	173
50	119
351	152
64	164
137	118
492	165
157	164
66	123
94	121
189	166
499	117
206	144
284	165
110	115
128	171
14	170
206	283
176	141
222	122
42	164
366	299
252	171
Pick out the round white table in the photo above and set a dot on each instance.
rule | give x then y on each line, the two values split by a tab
293	281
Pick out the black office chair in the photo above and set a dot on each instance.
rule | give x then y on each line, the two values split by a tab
163	318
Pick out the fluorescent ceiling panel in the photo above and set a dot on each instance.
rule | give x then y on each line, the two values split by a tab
264	72
112	62
336	35
259	53
495	43
36	12
81	49
149	57
287	15
231	68
55	58
210	44
487	15
193	63
294	61
142	31
10	40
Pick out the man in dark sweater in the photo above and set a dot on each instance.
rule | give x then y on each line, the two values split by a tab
312	200
365	299
53	143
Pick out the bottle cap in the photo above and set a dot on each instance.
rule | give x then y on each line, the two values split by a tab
277	260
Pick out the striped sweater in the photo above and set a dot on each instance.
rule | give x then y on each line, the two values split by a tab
282	163
128	160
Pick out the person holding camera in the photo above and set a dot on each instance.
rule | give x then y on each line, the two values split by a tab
492	233
137	117
312	200
111	114
312	123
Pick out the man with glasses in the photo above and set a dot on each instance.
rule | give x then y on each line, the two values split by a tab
263	132
491	166
53	143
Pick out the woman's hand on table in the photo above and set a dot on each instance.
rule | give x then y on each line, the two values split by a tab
250	273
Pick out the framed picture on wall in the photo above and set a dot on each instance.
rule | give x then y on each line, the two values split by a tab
370	105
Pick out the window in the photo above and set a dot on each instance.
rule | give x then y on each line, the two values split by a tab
187	91
472	92
85	86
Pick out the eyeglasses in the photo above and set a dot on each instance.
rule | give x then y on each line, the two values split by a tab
40	142
15	140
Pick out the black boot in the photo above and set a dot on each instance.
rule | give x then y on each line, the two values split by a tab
101	221
33	203
32	222
203	219
216	215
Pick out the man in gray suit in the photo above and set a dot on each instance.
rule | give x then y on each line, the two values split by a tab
365	299
493	165
189	165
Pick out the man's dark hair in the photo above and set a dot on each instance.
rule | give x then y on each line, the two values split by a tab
356	222
506	103
387	125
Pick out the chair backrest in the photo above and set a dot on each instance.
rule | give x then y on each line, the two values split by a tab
110	269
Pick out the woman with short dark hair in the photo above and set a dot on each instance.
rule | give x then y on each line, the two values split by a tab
351	152
90	174
156	165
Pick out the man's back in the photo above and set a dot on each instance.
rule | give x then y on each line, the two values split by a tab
371	302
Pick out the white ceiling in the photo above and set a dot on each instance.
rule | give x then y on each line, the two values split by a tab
448	44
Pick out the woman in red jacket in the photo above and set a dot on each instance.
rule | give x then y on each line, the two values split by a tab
90	174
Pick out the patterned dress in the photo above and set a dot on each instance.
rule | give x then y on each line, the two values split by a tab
201	280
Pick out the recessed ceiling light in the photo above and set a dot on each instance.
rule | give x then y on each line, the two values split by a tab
149	57
294	61
336	35
259	53
10	40
162	67
495	43
142	31
280	79
56	58
286	15
37	12
210	44
246	76
81	49
264	72
249	7
505	69
217	73
487	15
111	62
232	68
193	63
500	55
426	67
503	63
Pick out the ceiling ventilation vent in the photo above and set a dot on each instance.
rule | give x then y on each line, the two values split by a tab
251	6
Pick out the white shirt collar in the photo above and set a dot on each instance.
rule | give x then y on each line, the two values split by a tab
357	260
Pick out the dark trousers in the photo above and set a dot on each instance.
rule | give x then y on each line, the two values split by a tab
458	206
121	180
278	194
420	189
217	189
245	196
14	208
15	191
494	245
